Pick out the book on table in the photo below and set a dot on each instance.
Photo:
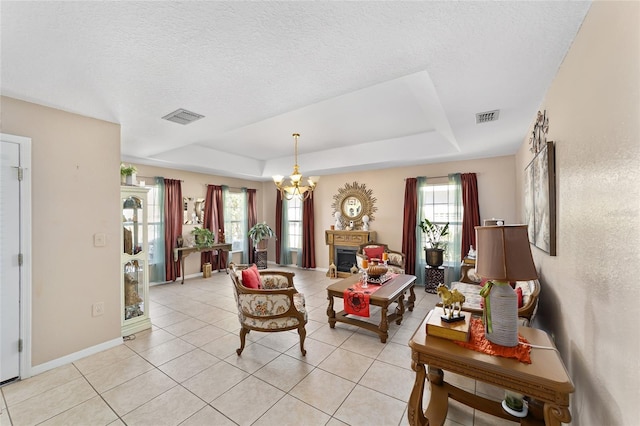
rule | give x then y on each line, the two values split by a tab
458	330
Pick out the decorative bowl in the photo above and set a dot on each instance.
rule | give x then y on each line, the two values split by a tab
376	270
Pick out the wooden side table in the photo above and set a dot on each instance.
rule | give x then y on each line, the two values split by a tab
545	380
433	278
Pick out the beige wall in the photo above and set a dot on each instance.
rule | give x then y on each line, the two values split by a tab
590	291
75	194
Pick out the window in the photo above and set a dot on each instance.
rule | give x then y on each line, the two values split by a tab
155	213
294	227
235	219
439	207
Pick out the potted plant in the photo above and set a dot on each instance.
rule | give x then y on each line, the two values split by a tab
434	234
259	234
204	237
128	174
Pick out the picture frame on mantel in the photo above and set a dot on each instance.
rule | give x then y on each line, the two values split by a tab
540	199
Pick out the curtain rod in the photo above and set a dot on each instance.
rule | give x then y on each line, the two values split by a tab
230	187
431	177
153	177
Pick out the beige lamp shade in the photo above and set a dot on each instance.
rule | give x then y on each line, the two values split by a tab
504	254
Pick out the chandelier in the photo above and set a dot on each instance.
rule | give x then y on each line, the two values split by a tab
292	188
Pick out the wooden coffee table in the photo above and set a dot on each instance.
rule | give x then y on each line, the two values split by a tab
545	380
392	291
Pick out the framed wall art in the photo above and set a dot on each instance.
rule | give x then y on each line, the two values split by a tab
540	199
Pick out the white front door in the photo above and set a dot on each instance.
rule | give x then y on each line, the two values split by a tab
10	254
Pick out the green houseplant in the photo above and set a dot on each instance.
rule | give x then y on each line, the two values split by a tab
434	234
127	173
260	232
204	237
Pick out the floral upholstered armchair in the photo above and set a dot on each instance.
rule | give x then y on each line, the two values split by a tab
370	251
267	301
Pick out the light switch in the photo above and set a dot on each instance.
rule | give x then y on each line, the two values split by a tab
99	239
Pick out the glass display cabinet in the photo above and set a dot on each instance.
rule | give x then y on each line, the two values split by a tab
134	264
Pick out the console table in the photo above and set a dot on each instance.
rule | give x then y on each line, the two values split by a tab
545	380
179	253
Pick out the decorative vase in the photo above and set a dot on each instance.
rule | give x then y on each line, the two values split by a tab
131	179
435	257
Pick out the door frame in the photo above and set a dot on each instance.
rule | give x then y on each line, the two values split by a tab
25	246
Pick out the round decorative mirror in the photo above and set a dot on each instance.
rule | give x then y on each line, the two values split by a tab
354	202
351	207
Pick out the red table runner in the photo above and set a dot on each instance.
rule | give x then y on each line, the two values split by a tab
356	298
478	342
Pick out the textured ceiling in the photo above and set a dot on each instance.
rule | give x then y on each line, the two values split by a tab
368	85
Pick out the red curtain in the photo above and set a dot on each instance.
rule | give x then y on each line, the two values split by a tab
252	219
308	239
213	220
278	225
173	209
471	209
409	225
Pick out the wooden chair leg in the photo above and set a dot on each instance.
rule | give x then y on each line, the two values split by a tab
243	335
303	334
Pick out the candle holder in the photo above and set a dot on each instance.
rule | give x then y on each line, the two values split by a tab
365	278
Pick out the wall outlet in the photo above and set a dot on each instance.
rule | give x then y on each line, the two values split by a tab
97	309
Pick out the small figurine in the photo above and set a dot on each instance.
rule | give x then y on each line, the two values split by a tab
354	269
365	223
472	253
221	236
449	300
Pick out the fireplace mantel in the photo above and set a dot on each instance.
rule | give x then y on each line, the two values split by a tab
346	239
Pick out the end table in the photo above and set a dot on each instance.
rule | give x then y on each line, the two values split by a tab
545	380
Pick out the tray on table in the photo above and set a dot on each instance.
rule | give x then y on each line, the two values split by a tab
379	280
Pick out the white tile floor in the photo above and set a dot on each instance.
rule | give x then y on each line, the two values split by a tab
185	371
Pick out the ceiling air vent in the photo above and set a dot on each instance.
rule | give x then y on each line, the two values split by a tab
484	117
182	116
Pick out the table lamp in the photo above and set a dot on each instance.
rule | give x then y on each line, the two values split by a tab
503	256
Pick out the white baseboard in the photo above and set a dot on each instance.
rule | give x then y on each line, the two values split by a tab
67	359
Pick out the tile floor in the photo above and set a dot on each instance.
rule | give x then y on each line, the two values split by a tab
185	371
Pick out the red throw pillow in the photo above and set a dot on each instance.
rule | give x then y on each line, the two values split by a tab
373	252
519	294
251	277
